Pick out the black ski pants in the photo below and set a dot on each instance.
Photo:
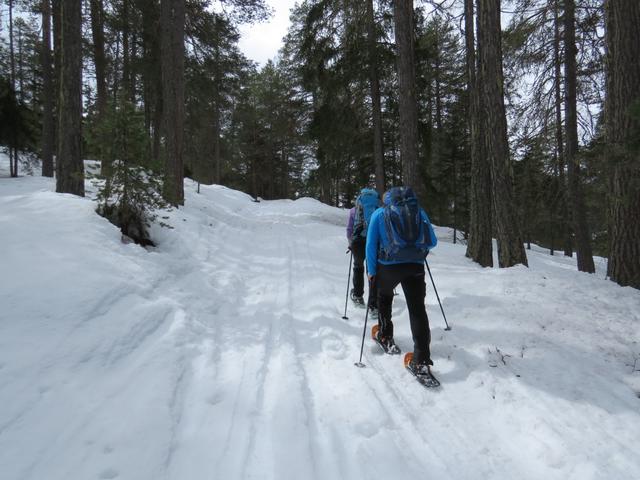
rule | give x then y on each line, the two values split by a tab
358	249
411	277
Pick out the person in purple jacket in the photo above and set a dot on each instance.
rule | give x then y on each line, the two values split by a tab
367	202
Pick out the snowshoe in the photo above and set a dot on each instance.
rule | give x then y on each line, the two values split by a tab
387	344
421	371
373	313
357	300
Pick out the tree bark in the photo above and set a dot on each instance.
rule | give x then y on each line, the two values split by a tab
100	64
576	196
133	52
408	126
376	110
126	52
622	131
510	246
479	245
56	12
217	159
12	59
21	67
69	165
217	156
565	231
48	93
13	153
172	19
151	74
99	57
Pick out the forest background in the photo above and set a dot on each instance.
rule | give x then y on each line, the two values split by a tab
516	120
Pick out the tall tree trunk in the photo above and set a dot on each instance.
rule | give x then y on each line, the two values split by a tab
99	57
48	93
284	193
56	23
21	67
126	52
479	245
13	154
376	110
173	17
151	74
455	197
565	230
56	12
254	168
622	131
158	115
12	59
437	88
216	120
69	166
133	52
100	64
510	246
216	146
576	196
403	17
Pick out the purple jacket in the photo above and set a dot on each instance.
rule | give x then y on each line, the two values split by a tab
352	217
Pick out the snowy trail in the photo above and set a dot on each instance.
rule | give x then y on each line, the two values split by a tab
222	354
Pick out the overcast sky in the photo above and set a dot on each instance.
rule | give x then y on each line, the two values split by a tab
262	41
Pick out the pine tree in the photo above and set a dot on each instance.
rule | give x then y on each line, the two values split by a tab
69	164
48	92
575	190
510	246
404	22
131	191
479	246
172	20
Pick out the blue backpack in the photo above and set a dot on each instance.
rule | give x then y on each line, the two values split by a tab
366	203
408	234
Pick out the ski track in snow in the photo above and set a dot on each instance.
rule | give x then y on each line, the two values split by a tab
221	354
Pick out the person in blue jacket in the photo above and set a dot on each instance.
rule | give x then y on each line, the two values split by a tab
399	238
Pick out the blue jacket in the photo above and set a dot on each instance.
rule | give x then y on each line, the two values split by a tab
377	237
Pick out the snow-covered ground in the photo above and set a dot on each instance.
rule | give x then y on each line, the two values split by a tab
221	354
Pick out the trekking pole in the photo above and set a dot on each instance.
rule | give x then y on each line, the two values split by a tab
437	296
359	363
346	299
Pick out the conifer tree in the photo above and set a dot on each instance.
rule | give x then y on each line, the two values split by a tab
69	164
479	246
131	190
510	246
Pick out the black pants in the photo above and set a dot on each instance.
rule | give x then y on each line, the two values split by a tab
411	277
358	250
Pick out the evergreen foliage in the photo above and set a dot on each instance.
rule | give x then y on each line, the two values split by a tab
130	193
